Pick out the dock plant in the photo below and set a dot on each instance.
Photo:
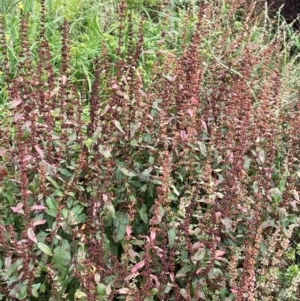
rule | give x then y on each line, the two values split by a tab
149	150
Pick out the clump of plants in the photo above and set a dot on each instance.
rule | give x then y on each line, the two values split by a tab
167	170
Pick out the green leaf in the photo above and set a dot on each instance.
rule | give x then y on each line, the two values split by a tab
268	223
133	128
72	137
81	218
202	148
175	190
223	292
65	213
22	292
88	143
147	137
76	211
50	212
52	205
79	294
34	293
44	248
105	151
119	127
255	186
147	171
184	294
65	172
199	255
247	163
126	172
183	271
58	193
171	237
143	214
101	289
12	268
54	183
120	223
62	257
96	134
111	209
151	160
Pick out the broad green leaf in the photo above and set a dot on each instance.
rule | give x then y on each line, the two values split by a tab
199	255
105	151
133	128
79	294
44	248
184	270
175	190
88	143
147	138
119	127
147	171
255	187
65	172
171	237
36	286
247	163
223	292
120	223
65	213
22	292
54	183
126	172
263	247
58	193
51	204
144	214
101	289
12	268
281	185
96	134
34	293
133	142
111	209
261	156
184	294
137	242
77	210
72	136
81	218
168	287
268	223
62	257
50	212
155	105
202	148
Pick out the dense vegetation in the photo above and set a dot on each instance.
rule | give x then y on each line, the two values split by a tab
149	150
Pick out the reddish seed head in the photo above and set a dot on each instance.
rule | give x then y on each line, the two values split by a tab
3	173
